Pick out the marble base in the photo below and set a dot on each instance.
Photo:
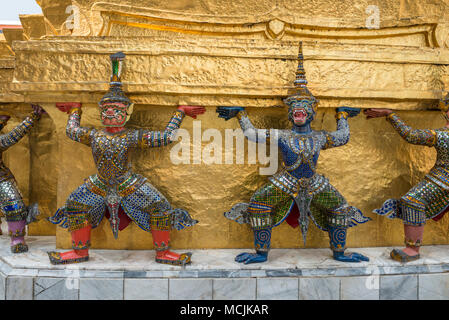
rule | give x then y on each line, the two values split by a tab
290	274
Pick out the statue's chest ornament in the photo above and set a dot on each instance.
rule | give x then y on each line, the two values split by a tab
111	151
305	148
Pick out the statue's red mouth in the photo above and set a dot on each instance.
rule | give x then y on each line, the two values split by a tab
299	115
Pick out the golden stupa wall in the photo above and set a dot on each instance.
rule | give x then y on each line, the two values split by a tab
212	53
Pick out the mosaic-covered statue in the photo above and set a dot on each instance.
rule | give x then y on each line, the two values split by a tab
115	191
297	193
429	199
17	214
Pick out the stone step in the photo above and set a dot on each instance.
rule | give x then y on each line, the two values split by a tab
289	274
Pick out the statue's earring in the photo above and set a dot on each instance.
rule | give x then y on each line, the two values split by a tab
129	111
445	116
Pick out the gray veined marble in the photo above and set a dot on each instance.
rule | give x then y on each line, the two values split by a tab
360	288
146	289
234	289
101	289
190	289
319	288
400	287
19	288
433	286
217	264
2	286
277	289
56	288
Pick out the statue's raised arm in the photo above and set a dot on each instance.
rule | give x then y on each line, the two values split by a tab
73	129
424	137
149	138
21	130
249	130
340	137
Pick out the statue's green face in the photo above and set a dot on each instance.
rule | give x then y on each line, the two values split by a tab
301	112
113	114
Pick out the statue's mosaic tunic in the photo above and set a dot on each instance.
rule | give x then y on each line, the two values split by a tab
115	187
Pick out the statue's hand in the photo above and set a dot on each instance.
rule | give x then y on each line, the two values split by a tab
349	257
67	106
4	117
192	111
228	112
352	112
37	109
248	258
376	113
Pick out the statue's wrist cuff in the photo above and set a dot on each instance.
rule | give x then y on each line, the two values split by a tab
75	110
342	114
390	116
241	114
180	114
35	116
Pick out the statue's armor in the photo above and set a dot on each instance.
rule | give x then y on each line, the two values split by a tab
11	201
430	197
297	182
115	187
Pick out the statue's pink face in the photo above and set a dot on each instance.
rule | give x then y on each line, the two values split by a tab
113	114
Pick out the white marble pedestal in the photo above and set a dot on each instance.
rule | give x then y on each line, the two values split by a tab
289	274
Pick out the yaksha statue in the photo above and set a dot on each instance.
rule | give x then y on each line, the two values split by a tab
429	199
116	191
296	192
12	206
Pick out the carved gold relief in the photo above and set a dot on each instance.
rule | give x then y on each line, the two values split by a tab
211	53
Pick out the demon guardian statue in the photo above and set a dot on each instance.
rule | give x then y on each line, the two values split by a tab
17	214
297	193
429	199
116	191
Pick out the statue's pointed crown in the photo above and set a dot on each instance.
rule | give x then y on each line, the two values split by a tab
115	93
300	90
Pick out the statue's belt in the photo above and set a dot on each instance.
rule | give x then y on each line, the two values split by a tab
439	176
293	185
99	185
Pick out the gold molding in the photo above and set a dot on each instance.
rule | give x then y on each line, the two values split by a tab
274	29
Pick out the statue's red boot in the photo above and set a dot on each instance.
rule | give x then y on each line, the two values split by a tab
161	240
80	244
413	241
